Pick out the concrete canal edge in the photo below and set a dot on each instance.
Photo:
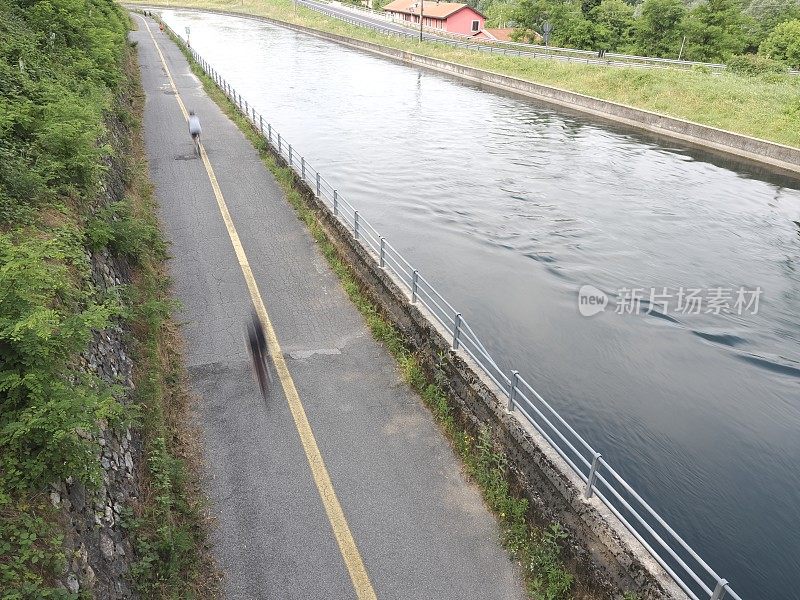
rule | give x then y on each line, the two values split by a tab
785	159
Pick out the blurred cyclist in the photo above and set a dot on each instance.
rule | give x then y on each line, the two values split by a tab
195	130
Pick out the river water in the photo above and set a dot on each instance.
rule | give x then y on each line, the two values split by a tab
510	206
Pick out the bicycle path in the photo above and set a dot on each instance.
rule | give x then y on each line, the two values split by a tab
418	527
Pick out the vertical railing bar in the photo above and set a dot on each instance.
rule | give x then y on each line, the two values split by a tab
719	591
512	392
589	491
456	329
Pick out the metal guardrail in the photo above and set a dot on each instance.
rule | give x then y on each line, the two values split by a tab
689	571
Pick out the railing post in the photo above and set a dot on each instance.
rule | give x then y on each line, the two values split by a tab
290	156
589	491
414	286
303	167
719	591
279	143
261	124
355	224
456	331
512	392
317	184
383	252
269	132
246	109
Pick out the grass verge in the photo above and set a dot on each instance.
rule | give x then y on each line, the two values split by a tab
538	551
766	106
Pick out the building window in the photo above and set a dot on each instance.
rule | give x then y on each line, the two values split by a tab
476	26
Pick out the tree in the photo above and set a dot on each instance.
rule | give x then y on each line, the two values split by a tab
715	31
658	28
768	14
570	28
498	12
615	17
529	16
588	5
783	43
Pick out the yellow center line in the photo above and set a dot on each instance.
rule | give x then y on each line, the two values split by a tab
341	530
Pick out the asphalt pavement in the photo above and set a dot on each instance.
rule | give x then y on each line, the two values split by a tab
420	527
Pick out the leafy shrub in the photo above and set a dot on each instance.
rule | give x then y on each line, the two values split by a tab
45	320
783	44
754	64
117	228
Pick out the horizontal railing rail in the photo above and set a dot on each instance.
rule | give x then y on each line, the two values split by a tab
689	571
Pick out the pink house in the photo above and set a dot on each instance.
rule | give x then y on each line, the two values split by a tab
447	16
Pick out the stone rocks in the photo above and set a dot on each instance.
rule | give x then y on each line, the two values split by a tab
97	546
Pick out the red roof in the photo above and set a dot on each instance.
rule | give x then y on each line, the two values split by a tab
504	34
431	8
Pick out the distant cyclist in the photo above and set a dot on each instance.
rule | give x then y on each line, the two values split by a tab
195	130
257	343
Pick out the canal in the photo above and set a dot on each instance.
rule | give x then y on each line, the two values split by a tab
510	207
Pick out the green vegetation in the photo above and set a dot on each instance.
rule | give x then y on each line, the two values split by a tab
54	93
67	79
765	106
783	44
539	552
708	31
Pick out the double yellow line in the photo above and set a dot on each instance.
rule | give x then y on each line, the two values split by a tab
341	530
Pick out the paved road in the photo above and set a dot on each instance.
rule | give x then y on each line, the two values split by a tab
420	528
